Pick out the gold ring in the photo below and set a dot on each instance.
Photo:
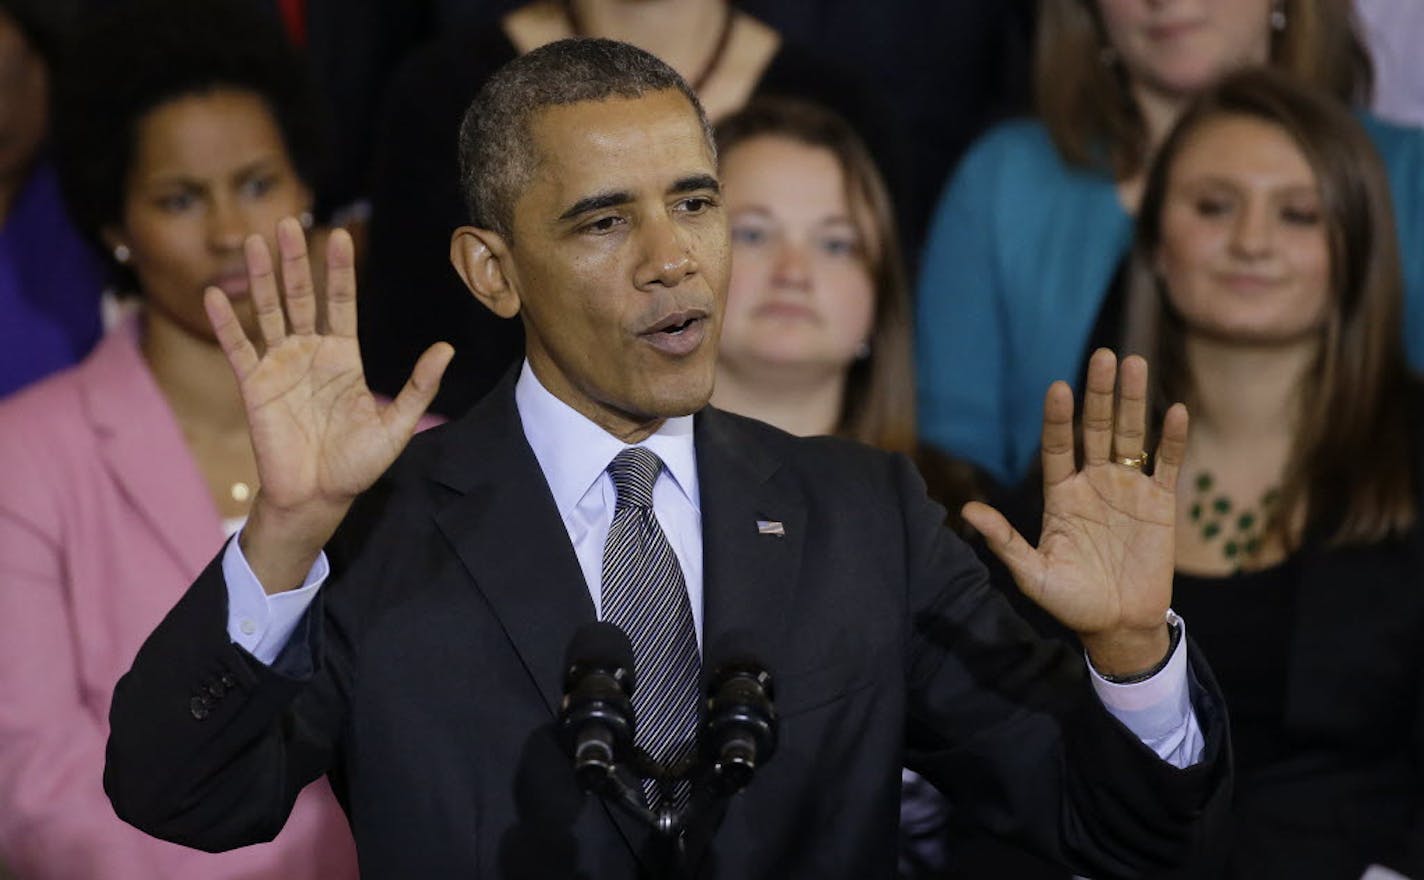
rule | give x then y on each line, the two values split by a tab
1136	462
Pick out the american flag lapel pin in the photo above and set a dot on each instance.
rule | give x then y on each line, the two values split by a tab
771	527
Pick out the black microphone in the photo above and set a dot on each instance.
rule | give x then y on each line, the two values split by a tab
741	727
596	718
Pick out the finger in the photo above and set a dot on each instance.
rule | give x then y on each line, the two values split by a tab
1130	429
262	281
296	276
1098	407
1057	441
405	411
241	356
341	284
1172	449
1017	554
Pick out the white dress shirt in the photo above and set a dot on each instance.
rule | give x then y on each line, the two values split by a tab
574	454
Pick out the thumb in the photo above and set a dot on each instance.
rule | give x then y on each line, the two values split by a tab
419	390
1017	554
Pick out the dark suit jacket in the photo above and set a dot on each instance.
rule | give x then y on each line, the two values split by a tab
426	679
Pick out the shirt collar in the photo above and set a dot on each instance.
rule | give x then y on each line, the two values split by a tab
573	452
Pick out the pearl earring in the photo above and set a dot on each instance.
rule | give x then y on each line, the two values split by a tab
122	254
1278	17
305	218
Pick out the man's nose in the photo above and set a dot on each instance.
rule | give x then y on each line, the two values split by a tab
667	255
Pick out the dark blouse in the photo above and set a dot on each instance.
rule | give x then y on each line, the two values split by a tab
410	295
1244	624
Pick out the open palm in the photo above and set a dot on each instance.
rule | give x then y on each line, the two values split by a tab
1104	560
320	437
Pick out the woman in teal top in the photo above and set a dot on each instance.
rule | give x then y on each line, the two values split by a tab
1036	221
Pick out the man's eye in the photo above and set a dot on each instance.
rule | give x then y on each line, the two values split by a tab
602	224
697	204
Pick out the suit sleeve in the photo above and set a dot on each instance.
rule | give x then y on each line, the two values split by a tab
209	747
1007	725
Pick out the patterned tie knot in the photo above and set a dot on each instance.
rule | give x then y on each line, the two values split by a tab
634	471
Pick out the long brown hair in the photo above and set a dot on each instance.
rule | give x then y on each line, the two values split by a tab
879	405
1351	475
1088	108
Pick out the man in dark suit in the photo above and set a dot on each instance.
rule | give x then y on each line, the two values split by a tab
425	679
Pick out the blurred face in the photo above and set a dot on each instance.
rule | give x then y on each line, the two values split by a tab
1179	47
802	296
24	98
619	257
208	171
1244	249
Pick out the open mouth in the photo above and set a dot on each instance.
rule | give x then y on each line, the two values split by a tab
675	329
679	333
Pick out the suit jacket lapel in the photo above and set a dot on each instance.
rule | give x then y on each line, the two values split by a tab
749	577
749	574
507	532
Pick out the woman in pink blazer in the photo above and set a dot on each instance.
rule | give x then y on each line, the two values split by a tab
184	132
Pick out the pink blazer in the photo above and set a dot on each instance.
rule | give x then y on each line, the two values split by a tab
104	521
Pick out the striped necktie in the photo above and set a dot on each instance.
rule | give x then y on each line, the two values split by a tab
644	593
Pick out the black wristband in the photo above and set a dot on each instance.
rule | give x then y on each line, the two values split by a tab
1174	627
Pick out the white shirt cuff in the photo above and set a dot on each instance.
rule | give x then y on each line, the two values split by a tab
259	623
1159	709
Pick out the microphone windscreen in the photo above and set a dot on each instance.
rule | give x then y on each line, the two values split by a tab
600	645
731	655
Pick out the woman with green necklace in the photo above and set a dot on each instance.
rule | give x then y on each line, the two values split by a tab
1267	291
1264	288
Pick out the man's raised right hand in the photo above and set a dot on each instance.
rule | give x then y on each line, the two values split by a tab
320	437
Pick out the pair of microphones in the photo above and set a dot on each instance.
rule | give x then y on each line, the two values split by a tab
597	725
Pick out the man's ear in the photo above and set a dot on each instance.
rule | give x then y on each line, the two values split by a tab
482	258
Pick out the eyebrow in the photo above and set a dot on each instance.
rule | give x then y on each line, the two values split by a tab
695	182
759	210
614	198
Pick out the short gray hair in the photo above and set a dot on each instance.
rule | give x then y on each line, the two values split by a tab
496	156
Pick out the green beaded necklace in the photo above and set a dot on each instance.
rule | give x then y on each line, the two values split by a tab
1216	516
